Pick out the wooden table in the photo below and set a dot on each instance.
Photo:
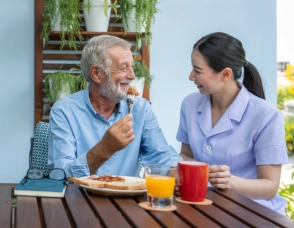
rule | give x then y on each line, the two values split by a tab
80	208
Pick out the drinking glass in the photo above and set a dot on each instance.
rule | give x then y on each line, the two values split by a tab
160	182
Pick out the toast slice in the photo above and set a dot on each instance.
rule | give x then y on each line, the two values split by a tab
126	185
89	182
117	185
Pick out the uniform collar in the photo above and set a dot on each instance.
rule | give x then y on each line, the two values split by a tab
235	112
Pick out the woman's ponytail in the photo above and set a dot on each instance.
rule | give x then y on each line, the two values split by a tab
252	80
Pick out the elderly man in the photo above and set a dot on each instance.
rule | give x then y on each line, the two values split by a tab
91	130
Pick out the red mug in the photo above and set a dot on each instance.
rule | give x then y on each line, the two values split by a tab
193	180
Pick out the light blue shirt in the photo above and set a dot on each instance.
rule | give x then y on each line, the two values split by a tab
250	133
76	128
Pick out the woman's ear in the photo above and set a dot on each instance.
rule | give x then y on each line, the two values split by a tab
226	73
95	74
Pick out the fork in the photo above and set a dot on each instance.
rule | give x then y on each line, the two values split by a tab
130	101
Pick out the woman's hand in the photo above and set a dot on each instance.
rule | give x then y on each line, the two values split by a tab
220	176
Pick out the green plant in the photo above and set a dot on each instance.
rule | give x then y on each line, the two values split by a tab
145	17
289	134
68	13
82	83
285	93
142	71
287	191
59	84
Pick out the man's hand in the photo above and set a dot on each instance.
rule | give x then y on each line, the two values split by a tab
220	176
118	136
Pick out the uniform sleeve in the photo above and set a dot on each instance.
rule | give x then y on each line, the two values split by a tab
154	147
270	145
182	135
62	146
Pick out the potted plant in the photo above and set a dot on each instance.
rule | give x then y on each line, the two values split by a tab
138	16
97	14
63	16
82	83
143	76
59	84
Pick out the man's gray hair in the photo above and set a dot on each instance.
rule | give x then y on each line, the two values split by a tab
95	53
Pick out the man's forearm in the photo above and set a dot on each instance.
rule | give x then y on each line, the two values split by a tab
96	157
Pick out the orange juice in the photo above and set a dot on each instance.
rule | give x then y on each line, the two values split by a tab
160	186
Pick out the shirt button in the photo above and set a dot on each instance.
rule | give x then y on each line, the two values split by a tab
208	148
108	124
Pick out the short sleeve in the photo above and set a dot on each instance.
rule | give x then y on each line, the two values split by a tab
182	135
270	145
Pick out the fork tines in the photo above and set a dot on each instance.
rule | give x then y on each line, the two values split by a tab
130	101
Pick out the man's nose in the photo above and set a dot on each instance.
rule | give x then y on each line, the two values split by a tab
130	74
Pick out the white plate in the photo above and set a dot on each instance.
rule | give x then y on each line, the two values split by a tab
114	192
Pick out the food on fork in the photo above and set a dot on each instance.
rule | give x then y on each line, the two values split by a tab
133	91
109	181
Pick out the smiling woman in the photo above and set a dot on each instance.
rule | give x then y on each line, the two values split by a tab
235	130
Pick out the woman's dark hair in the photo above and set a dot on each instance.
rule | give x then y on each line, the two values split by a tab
222	50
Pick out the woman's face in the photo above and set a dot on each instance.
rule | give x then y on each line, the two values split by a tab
203	76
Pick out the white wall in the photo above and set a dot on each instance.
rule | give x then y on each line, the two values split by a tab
17	87
253	22
285	32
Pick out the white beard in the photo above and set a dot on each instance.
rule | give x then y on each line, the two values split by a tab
109	90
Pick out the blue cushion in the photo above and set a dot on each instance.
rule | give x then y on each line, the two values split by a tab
40	147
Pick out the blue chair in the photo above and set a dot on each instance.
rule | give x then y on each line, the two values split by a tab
39	147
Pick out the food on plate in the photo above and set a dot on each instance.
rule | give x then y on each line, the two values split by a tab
107	178
126	185
88	182
109	181
133	91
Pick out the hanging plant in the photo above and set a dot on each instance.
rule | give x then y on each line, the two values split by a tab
142	71
67	14
145	18
59	84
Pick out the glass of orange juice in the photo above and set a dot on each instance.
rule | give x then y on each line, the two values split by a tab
160	183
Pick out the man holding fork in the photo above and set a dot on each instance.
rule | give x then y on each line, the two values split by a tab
92	131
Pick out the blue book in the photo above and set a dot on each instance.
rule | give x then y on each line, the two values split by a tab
44	187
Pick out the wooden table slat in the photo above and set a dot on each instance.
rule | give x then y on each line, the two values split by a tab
27	212
197	219
107	211
54	213
238	212
168	219
5	206
257	208
79	208
216	215
137	216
